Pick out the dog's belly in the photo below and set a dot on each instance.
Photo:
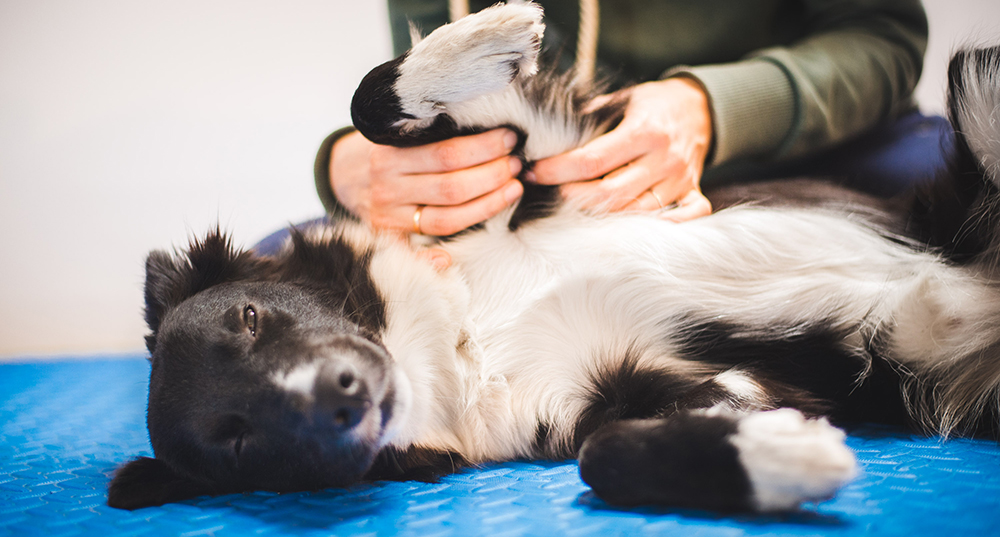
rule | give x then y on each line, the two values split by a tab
565	297
754	265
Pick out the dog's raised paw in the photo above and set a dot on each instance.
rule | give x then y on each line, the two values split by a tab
476	55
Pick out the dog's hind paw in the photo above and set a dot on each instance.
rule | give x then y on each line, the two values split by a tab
476	55
792	460
717	459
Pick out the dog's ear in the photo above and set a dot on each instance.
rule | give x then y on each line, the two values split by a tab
145	482
164	289
172	279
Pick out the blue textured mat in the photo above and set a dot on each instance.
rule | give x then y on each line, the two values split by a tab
66	425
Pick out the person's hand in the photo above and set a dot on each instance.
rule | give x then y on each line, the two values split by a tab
454	183
653	158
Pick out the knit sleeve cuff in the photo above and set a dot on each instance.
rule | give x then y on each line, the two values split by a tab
753	107
321	173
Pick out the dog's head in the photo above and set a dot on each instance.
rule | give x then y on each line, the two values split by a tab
267	373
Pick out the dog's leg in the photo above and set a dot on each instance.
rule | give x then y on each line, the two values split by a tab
406	101
719	460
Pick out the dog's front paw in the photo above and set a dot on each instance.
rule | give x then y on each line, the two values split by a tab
477	55
791	460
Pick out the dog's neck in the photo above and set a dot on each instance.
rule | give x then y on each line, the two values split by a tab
426	336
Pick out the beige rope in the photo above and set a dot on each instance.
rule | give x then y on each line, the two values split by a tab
457	9
586	42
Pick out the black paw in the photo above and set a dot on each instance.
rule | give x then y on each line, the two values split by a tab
681	461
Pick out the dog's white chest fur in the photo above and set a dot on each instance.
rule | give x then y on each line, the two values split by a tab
544	309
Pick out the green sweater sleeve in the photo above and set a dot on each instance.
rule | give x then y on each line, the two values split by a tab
321	174
856	66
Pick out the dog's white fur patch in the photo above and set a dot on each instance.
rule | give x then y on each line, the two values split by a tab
456	71
791	460
455	64
299	379
537	311
743	389
425	312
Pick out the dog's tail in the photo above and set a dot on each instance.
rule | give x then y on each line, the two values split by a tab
958	215
958	212
974	107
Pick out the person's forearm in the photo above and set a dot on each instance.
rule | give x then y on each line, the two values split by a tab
845	83
856	69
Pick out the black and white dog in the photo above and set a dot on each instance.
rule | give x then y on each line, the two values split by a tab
691	364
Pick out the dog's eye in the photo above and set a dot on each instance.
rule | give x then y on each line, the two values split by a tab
250	319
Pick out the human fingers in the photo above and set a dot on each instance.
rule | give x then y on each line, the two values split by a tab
456	153
457	187
693	205
681	179
590	161
393	201
648	201
622	187
448	220
675	192
392	195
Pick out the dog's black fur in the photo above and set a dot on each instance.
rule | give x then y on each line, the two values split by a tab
230	330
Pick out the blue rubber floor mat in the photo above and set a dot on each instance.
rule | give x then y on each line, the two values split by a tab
66	425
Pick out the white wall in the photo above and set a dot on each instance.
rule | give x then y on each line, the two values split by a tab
127	126
953	24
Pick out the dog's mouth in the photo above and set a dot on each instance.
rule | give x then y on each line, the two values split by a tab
304	445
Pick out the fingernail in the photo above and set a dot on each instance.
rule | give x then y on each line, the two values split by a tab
512	192
530	177
509	140
515	165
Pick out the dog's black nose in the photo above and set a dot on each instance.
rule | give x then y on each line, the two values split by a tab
341	395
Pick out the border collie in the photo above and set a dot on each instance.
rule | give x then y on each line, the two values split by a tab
693	365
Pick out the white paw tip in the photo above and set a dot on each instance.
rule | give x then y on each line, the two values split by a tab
792	460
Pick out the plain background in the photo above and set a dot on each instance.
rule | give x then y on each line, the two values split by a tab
130	126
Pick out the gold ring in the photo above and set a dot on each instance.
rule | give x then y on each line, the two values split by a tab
416	219
657	198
